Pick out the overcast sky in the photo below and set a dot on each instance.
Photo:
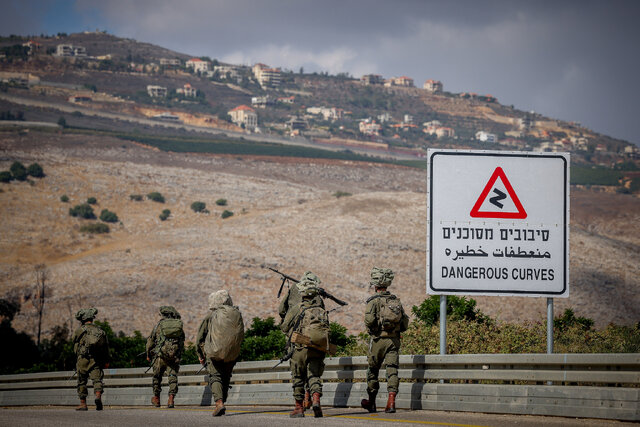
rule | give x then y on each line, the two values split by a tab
571	60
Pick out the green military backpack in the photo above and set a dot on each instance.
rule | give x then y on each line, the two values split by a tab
170	333
315	325
92	342
390	313
225	335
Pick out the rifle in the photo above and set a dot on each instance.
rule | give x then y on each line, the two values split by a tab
322	292
284	279
72	375
152	362
286	356
200	370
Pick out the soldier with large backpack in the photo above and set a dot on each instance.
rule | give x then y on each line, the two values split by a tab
92	355
218	345
164	350
385	319
308	319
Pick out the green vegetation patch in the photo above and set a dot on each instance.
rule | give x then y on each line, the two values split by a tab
596	175
95	228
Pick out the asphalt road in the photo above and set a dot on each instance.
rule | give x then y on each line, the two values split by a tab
273	416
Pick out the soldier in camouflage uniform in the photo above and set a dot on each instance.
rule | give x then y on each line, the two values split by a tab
291	301
385	319
307	364
219	371
92	352
164	349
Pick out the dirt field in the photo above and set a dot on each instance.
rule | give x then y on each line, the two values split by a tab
285	216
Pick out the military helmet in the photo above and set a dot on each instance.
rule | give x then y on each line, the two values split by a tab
169	311
308	285
86	314
381	277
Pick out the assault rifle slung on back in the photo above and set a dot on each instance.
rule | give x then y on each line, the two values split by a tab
321	291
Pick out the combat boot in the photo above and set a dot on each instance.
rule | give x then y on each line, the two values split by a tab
317	409
82	406
155	400
370	403
170	401
298	411
391	403
306	403
220	409
98	401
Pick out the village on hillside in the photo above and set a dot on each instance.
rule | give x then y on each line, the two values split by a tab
103	72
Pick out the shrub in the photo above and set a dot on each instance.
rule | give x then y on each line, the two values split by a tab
136	197
198	206
5	176
338	336
226	214
95	228
64	198
165	214
457	308
18	171
83	211
62	122
92	200
221	202
35	170
156	197
339	194
263	340
108	216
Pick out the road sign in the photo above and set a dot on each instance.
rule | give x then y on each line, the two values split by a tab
498	223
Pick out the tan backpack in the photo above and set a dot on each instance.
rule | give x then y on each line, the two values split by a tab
226	332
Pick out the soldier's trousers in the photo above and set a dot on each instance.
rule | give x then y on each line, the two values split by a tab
172	368
307	366
85	369
219	378
383	351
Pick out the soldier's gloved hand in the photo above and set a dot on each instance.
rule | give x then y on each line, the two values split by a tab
201	360
148	360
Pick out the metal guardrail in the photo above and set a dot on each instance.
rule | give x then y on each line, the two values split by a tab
574	385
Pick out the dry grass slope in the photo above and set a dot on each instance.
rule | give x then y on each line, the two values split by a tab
285	216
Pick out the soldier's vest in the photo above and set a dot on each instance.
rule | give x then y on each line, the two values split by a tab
92	341
169	335
314	324
225	335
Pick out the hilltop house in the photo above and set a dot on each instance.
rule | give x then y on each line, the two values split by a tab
434	86
331	113
170	62
267	77
403	81
188	90
439	131
372	79
370	127
198	65
244	115
486	136
156	91
70	50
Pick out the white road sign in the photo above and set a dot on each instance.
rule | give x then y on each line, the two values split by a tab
498	223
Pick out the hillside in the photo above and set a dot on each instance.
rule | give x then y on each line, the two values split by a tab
285	216
114	76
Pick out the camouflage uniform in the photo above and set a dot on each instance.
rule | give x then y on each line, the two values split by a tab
219	371
384	347
307	364
89	365
162	363
293	298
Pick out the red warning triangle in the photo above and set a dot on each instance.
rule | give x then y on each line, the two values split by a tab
496	200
